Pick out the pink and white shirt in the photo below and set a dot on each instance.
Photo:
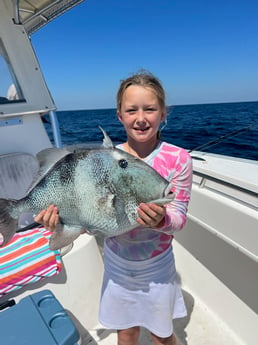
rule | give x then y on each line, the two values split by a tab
175	165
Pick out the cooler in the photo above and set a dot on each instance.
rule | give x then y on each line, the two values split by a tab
37	319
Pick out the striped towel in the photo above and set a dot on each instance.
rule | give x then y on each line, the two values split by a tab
26	259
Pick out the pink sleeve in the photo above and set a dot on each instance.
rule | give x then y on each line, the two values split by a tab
175	164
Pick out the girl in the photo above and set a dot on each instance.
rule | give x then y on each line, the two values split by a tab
140	286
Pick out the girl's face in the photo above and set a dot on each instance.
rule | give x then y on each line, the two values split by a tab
141	113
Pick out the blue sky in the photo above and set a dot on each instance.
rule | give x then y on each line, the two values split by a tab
202	51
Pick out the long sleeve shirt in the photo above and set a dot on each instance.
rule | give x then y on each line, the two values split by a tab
141	243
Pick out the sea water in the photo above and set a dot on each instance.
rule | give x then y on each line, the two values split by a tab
232	128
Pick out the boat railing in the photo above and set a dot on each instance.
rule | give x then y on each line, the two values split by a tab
228	210
235	189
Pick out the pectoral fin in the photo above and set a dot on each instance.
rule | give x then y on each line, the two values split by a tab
126	213
63	235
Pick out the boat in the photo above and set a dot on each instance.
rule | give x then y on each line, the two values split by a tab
216	253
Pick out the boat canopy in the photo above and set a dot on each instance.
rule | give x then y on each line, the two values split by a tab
23	89
33	14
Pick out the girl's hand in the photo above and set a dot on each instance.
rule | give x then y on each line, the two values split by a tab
151	215
48	218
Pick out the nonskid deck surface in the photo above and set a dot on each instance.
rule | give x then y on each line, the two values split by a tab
200	327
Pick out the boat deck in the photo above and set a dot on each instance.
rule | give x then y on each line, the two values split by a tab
200	327
78	289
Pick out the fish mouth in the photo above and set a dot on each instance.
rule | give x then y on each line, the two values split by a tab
167	197
167	191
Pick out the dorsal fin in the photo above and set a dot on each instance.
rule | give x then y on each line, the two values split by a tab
107	142
47	158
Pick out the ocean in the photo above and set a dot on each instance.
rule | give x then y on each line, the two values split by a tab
230	128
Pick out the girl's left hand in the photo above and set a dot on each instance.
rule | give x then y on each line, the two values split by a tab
151	215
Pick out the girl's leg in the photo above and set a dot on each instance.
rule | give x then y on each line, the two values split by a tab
164	341
128	336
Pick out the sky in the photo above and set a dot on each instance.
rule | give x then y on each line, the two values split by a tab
202	51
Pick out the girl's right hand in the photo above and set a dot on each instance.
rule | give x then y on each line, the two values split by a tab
48	218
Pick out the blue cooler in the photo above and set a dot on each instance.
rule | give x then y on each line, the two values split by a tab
38	319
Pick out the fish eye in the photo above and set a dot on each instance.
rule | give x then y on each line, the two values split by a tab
123	163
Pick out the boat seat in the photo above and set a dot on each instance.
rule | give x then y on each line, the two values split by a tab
17	171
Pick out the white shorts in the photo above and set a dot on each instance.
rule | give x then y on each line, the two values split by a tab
141	293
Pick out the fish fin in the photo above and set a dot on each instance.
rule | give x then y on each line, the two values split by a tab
124	217
63	235
47	158
8	225
107	142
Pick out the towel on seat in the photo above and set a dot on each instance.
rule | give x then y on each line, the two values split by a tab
26	259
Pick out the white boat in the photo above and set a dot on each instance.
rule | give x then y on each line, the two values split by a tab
216	253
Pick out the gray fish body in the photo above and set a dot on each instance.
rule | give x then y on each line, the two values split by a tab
98	190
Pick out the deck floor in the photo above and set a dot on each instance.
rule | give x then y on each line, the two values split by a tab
199	327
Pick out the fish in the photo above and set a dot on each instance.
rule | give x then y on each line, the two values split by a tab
97	190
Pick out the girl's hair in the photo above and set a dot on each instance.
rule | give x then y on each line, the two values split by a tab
145	79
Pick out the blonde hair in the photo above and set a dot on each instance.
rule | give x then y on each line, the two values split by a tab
145	79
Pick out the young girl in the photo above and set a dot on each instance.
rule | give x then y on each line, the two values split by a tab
140	286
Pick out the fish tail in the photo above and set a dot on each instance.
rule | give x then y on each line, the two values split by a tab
8	224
